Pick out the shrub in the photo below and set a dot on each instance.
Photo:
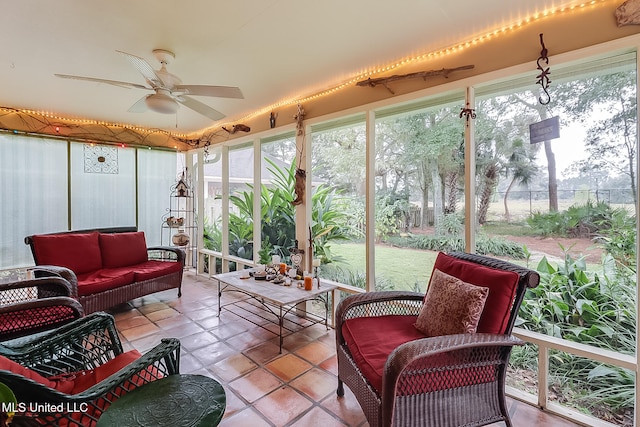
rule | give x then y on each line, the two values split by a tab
617	234
576	221
484	245
597	309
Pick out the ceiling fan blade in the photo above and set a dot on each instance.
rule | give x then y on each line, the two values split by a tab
111	82
140	106
144	68
204	90
200	108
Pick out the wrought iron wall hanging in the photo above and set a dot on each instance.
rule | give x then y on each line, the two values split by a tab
543	77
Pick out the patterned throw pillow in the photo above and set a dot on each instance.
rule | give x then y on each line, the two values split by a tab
451	306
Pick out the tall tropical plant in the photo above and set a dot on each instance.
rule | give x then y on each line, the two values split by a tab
330	221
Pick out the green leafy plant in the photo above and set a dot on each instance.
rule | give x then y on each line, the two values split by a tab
617	234
577	221
593	308
330	222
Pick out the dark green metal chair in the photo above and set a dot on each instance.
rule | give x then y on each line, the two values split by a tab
75	349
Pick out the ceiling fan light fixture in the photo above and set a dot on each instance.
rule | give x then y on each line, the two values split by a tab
162	103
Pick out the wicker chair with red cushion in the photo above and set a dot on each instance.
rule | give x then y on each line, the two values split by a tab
438	359
29	306
70	375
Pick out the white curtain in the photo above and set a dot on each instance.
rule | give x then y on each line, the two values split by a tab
102	199
156	175
33	193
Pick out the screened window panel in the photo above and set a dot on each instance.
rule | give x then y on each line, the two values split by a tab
338	199
240	231
33	179
156	175
102	198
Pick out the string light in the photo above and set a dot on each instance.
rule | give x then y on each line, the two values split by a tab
419	58
192	140
50	115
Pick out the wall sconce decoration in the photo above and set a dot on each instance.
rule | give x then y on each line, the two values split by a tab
468	112
543	77
301	176
272	119
299	117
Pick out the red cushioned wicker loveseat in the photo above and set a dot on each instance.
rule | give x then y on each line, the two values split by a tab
111	265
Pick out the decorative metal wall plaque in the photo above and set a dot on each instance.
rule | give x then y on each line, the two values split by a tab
100	159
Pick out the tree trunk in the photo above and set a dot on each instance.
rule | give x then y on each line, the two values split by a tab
490	180
633	179
551	165
424	187
630	145
507	215
452	188
551	159
437	192
553	181
424	221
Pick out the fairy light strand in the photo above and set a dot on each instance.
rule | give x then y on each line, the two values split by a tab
208	134
423	57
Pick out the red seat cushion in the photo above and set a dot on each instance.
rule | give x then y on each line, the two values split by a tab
123	249
86	379
103	280
33	318
502	289
153	269
371	339
79	252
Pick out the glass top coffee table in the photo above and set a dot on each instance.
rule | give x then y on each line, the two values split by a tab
177	400
276	299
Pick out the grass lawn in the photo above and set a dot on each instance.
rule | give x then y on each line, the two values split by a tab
400	267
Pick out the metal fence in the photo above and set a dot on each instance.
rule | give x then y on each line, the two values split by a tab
538	201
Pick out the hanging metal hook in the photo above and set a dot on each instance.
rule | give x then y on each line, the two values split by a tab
543	77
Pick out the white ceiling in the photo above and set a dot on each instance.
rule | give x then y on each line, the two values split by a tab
272	49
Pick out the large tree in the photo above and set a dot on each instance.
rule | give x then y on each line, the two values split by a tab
521	168
607	105
433	140
499	147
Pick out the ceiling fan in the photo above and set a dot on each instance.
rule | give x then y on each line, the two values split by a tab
168	88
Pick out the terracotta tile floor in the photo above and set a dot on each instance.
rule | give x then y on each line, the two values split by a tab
264	387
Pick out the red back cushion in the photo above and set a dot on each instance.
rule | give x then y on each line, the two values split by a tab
16	368
123	249
61	384
502	289
79	252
